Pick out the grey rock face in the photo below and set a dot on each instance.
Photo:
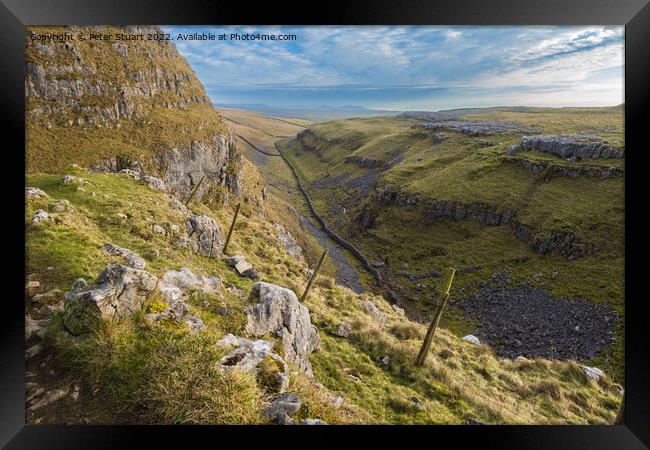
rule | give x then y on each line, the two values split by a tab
371	309
71	179
41	216
280	313
49	397
282	405
119	291
35	327
288	242
569	147
175	286
239	263
131	259
186	166
243	267
60	91
313	422
565	170
592	372
205	232
185	280
32	192
155	183
194	324
476	127
344	330
185	242
559	242
473	339
397	309
248	354
364	162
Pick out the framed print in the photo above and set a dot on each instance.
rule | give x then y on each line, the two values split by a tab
391	221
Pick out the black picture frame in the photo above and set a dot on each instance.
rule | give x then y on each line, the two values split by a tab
634	14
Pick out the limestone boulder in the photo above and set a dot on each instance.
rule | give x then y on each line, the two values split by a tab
279	312
205	232
119	291
130	258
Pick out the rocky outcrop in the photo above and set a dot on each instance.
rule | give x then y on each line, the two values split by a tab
119	291
562	242
41	216
32	192
243	267
578	147
176	286
71	71
217	159
281	407
364	162
143	88
279	312
204	236
563	170
476	127
247	354
288	242
130	258
377	314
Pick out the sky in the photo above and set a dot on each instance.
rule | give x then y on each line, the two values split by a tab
410	67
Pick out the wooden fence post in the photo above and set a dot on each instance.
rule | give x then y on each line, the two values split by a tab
232	226
426	344
314	275
187	202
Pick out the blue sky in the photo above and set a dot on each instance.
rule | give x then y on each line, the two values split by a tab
411	68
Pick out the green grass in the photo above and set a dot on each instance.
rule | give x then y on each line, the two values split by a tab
461	169
162	374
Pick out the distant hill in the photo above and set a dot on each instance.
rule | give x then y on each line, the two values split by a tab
320	114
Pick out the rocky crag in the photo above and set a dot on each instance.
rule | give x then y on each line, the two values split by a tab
476	127
561	242
124	105
569	147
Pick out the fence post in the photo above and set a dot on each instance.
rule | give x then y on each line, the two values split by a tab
426	344
187	202
314	275
232	226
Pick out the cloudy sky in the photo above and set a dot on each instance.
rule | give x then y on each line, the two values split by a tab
406	68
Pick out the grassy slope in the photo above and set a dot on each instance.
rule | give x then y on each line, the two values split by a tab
460	169
165	375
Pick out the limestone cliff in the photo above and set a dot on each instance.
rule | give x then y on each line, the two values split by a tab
129	104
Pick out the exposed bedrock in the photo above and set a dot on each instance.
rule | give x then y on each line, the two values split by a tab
569	147
476	127
364	162
560	242
564	170
183	168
